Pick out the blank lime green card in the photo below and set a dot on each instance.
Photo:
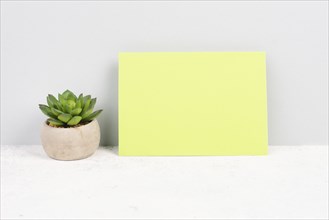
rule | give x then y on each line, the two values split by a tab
199	103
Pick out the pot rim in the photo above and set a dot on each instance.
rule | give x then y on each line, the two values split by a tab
45	123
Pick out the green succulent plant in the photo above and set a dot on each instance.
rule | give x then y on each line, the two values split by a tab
69	110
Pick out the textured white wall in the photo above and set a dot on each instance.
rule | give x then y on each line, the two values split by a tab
49	46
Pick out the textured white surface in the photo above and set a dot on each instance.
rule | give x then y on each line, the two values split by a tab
290	183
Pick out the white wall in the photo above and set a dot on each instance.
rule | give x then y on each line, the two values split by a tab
49	46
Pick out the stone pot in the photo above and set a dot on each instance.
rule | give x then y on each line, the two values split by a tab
70	143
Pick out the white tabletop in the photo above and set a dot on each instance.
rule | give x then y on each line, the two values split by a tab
290	183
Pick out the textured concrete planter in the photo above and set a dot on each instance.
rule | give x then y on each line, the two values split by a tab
70	143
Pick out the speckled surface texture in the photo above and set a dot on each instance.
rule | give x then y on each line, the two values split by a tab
290	183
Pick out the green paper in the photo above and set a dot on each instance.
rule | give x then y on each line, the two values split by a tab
192	103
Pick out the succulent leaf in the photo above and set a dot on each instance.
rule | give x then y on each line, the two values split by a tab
54	102
90	108
92	103
79	101
87	100
93	115
69	95
50	104
47	111
76	111
86	97
64	117
63	103
66	93
52	98
56	111
87	113
82	103
74	121
55	122
72	97
61	99
71	104
69	110
59	107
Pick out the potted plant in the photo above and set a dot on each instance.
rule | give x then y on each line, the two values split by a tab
71	132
